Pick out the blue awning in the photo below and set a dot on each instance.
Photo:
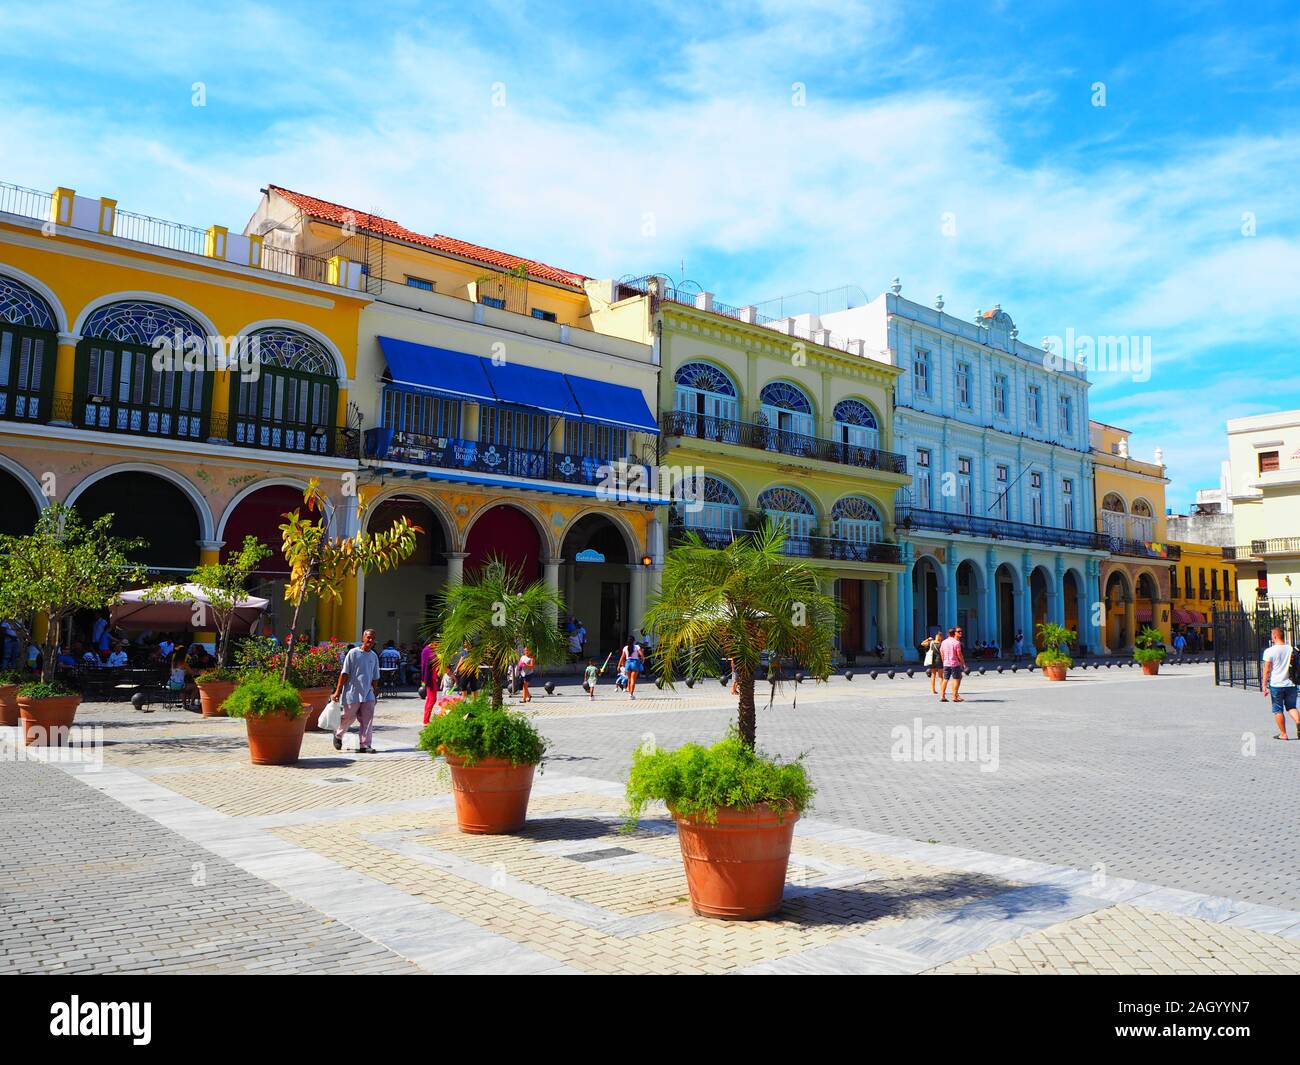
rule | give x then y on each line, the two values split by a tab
612	404
424	368
441	370
531	386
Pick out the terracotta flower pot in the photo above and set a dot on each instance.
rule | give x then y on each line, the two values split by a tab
8	704
1055	672
491	795
735	868
1150	668
45	721
274	739
212	694
314	699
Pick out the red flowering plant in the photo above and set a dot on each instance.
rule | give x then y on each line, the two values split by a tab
312	667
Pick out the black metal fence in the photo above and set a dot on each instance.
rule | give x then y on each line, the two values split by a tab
1240	636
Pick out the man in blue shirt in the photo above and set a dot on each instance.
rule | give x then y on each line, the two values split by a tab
357	689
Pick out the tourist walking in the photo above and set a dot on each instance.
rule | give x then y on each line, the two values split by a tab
430	677
633	659
931	660
1018	648
1278	684
357	689
954	666
1180	644
593	674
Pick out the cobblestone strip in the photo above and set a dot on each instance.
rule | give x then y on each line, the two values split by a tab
425	935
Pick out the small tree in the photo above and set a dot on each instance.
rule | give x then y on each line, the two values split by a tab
319	564
62	566
1056	640
495	614
736	602
1149	645
223	586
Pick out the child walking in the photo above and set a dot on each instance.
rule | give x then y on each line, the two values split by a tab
592	674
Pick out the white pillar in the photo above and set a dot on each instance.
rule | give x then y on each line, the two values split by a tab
636	598
456	566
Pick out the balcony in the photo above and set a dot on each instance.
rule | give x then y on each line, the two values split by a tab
1284	545
454	453
828	548
766	438
174	236
1144	549
996	529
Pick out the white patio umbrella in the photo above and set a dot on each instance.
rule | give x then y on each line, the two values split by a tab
140	609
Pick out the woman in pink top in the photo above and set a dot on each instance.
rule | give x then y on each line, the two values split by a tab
525	670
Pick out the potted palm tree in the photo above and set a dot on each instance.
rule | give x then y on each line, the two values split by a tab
493	753
492	617
1149	650
1053	659
735	809
62	566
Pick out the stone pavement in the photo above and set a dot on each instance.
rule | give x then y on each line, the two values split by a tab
354	863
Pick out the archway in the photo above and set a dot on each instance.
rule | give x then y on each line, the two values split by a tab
260	514
1117	598
1040	584
1072	592
18	510
29	345
927	589
1146	596
505	531
597	582
970	601
397	600
151	508
1007	599
1114	516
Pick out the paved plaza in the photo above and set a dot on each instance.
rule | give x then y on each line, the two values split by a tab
1111	824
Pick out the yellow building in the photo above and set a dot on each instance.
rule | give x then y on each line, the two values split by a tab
190	454
1130	506
1201	581
495	418
1264	457
764	422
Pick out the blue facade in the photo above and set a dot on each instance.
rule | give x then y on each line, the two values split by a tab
998	526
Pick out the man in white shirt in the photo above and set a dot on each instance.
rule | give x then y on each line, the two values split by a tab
1277	684
357	689
117	659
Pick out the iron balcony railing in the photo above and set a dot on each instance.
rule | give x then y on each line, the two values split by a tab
767	438
831	548
330	441
1144	549
628	476
908	517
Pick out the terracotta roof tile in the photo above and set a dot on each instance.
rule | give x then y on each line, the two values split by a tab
325	211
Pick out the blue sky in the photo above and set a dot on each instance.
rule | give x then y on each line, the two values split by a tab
625	139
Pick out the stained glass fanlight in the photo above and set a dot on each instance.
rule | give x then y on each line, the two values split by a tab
24	306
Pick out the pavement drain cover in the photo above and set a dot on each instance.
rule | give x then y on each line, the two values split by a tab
595	856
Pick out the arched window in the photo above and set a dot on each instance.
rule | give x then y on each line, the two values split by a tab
1114	519
290	403
709	503
795	511
857	520
705	402
1143	520
29	344
132	374
855	425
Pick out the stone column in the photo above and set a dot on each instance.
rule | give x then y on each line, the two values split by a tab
551	574
949	618
990	628
1056	593
885	617
636	597
64	370
906	600
456	566
1026	604
209	555
1093	596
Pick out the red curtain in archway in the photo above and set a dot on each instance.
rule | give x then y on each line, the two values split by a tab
510	534
261	514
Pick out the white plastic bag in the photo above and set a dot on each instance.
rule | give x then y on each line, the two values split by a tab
330	716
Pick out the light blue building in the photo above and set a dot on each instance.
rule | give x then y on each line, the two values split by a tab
997	529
